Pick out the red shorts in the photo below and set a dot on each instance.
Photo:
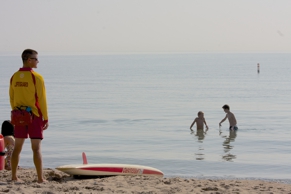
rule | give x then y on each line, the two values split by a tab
34	130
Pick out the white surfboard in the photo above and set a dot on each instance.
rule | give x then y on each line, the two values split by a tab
86	169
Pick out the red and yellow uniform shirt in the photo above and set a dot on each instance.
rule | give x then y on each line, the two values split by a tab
22	91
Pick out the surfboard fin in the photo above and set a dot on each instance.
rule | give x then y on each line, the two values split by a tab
84	158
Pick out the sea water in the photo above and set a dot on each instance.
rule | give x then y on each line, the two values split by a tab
137	109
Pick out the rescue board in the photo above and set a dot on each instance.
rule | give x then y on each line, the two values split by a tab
86	169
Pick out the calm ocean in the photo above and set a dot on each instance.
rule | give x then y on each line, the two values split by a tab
137	109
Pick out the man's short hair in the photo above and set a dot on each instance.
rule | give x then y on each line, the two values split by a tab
226	107
27	53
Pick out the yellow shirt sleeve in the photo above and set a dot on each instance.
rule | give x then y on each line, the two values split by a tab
41	94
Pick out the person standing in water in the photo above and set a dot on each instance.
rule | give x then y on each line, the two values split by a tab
200	121
231	118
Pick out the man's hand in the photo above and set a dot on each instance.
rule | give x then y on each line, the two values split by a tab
45	124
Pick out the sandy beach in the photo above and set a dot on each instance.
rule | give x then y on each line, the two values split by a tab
59	182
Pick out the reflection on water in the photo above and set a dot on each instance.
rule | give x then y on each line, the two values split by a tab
227	156
200	135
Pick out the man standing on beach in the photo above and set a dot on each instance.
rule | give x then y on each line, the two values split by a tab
27	89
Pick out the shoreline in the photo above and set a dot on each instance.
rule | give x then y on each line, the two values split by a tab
59	182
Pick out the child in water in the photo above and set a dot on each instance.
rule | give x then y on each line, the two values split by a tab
7	130
231	118
200	121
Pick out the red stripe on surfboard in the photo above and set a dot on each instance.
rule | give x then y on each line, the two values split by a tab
104	169
145	171
120	170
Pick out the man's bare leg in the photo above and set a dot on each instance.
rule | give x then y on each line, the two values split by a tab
37	158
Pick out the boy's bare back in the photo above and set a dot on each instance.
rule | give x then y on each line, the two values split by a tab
200	123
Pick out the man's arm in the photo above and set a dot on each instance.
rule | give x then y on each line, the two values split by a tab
41	93
11	94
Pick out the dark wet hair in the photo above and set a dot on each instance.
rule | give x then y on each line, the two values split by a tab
226	107
7	129
27	53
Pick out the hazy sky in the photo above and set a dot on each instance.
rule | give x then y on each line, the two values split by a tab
97	26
